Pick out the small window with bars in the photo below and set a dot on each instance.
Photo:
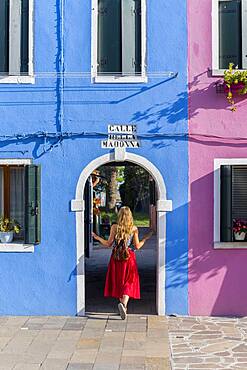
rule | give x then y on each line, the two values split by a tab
20	200
229	33
233	199
120	43
14	37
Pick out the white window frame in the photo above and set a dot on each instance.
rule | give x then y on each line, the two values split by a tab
16	246
217	163
95	78
14	42
216	71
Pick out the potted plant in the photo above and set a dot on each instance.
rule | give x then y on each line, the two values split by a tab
8	227
235	82
239	229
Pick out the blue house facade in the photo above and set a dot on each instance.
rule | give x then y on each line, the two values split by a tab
69	70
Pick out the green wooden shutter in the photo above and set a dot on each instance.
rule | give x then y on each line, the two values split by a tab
226	203
239	192
24	35
4	29
131	37
230	33
109	37
32	205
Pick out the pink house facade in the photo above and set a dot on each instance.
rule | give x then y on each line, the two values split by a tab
217	138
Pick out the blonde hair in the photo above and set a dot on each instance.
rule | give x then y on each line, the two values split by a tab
125	225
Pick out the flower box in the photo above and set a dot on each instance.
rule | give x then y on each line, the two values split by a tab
235	82
234	87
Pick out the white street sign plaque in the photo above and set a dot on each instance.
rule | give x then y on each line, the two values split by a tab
121	136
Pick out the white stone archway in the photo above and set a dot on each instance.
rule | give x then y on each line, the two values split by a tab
163	206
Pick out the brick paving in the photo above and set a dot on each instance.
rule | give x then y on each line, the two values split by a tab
100	342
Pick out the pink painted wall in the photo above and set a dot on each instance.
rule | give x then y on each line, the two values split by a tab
217	278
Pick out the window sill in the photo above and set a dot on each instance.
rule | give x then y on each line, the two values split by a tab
220	72
16	247
230	245
120	79
17	80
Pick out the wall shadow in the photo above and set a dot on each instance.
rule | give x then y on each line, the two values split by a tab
203	95
217	277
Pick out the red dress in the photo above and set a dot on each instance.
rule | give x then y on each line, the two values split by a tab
122	278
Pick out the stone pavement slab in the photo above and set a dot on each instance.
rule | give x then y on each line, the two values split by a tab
210	343
99	342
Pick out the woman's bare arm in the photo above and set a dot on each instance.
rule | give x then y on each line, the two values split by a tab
140	243
106	243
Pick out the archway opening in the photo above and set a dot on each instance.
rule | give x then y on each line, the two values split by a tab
109	187
162	206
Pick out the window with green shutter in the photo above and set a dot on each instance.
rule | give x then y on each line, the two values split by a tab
14	37
229	33
233	199
20	200
119	38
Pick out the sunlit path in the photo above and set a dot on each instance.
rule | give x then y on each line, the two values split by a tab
96	267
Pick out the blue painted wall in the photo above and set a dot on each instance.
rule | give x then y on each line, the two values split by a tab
44	282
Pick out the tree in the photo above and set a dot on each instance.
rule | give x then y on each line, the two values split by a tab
112	188
135	189
110	174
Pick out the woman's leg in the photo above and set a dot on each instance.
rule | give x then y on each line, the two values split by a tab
122	306
125	300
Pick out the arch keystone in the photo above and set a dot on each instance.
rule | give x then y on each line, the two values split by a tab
120	154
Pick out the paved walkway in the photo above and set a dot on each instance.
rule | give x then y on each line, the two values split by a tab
105	342
208	343
97	342
102	341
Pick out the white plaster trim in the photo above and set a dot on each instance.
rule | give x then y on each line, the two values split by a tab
17	80
77	205
164	205
244	33
120	79
161	227
120	154
94	41
215	35
14	37
15	162
217	163
94	35
14	73
16	248
220	72
144	40
31	42
230	245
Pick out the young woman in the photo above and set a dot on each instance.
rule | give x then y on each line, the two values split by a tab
122	279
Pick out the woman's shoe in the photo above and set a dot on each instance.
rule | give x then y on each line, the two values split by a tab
122	310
